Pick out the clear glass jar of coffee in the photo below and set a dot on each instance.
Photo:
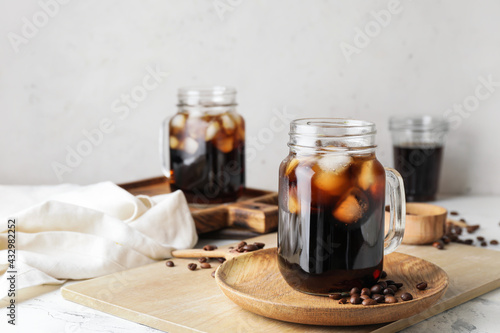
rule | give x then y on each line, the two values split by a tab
331	207
203	146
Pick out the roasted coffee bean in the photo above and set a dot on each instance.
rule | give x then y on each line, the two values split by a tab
378	298
468	241
221	260
355	300
376	289
398	285
383	275
390	299
241	244
335	296
213	274
388	291
170	263
393	287
484	244
463	220
369	301
365	291
421	285
493	242
480	238
438	245
355	291
472	228
259	245
364	297
390	282
458	230
205	265
383	284
203	259
250	247
192	266
406	297
343	301
453	237
454	213
209	247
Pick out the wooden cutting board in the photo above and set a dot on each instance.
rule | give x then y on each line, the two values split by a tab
175	299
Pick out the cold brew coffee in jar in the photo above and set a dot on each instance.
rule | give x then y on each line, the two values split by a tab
203	146
331	207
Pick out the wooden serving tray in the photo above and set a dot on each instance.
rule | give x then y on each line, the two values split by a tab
175	299
256	210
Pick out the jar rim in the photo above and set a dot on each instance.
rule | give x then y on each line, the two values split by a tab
207	96
418	123
332	127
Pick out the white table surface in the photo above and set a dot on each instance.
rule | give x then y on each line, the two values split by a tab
47	311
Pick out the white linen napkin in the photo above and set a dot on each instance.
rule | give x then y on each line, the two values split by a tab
80	232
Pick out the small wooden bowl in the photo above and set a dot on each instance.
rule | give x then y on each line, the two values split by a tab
425	223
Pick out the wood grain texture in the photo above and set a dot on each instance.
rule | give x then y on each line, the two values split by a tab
425	223
253	281
178	300
256	210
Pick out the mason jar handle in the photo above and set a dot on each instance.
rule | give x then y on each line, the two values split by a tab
397	201
164	147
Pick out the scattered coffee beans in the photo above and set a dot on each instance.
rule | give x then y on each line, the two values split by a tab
483	243
388	291
472	228
170	263
406	297
205	265
259	245
364	297
221	260
355	300
493	242
369	301
355	291
365	291
393	287
376	289
421	285
468	241
480	238
390	299
378	298
439	245
203	259
343	301
250	247
454	213
209	247
335	296
383	275
192	266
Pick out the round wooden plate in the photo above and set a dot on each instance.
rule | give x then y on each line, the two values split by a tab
254	282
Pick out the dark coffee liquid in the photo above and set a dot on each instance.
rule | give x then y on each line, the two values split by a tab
208	178
318	252
419	166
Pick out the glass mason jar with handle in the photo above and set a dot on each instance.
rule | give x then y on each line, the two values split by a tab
202	147
331	207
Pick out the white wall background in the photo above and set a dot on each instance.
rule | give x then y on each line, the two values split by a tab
278	54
